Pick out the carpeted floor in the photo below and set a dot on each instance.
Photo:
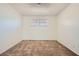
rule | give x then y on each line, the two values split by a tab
38	48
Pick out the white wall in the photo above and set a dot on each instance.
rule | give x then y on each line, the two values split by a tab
68	27
30	32
9	27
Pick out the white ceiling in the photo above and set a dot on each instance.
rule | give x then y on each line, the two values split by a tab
30	9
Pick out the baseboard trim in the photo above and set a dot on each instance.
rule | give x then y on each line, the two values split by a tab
67	48
10	47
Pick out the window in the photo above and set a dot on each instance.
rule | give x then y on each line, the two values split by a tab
40	22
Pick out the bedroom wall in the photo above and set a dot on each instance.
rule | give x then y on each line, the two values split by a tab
68	27
10	27
30	32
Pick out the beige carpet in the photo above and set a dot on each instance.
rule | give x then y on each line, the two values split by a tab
38	48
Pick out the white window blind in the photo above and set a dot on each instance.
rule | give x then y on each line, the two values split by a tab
40	22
